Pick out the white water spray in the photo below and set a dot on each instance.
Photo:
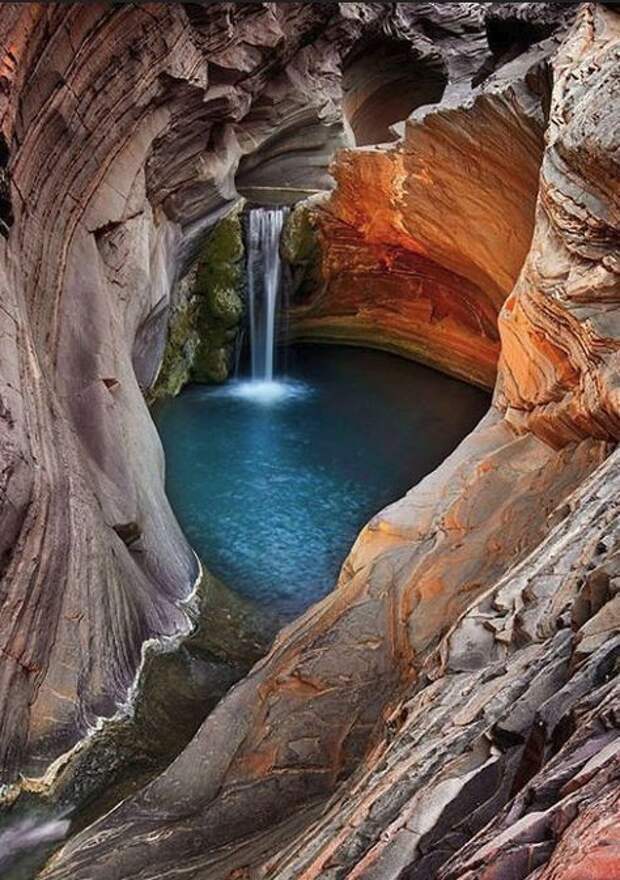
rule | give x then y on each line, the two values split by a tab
26	834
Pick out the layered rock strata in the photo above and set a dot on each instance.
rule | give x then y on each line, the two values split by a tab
465	671
123	130
420	244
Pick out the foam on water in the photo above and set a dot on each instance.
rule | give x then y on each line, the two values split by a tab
263	393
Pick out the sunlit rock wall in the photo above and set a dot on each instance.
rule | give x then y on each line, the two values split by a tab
422	241
560	366
451	709
127	131
123	131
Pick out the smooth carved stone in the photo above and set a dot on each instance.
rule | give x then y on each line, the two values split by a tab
560	326
421	242
399	300
126	132
123	129
451	709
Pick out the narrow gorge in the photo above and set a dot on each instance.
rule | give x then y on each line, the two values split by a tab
309	403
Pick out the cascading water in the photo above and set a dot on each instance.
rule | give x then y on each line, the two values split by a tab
264	276
25	844
272	477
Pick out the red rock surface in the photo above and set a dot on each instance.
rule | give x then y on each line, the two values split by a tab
453	703
124	129
560	326
421	242
451	709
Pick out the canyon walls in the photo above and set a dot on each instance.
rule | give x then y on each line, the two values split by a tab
123	128
421	242
564	309
127	132
464	670
451	709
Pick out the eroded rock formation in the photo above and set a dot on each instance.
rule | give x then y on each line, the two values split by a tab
206	311
465	669
123	128
421	243
450	710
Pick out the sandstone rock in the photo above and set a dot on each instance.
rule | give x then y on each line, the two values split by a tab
442	686
564	308
421	242
450	710
124	129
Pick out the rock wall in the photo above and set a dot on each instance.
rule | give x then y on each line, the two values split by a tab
464	672
451	710
564	308
206	310
123	129
421	243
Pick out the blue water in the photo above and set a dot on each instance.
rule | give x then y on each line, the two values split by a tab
271	482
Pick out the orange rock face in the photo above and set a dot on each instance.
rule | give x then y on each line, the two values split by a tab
396	298
451	710
421	242
592	850
121	132
560	367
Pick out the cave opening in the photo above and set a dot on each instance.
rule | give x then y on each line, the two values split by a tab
383	82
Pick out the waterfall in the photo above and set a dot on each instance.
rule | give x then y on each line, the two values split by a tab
264	275
25	835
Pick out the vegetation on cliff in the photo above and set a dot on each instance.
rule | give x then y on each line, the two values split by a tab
206	311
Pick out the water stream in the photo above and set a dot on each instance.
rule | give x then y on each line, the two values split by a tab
264	274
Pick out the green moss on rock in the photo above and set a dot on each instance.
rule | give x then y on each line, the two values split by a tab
219	290
301	249
180	352
204	322
211	365
299	242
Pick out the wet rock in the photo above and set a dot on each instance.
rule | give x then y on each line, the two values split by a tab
421	242
219	292
451	709
206	310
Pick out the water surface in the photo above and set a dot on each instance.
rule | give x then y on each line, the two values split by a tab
271	482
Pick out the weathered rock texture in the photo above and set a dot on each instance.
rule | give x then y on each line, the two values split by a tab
123	129
464	672
206	311
451	710
421	243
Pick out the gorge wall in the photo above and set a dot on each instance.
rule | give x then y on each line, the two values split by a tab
124	129
451	708
422	241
